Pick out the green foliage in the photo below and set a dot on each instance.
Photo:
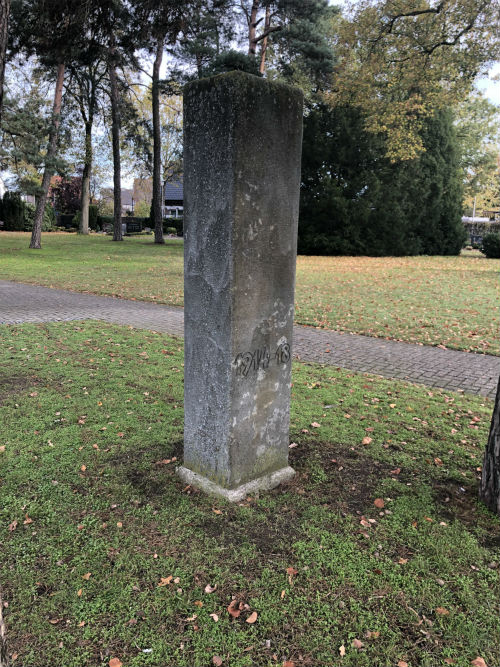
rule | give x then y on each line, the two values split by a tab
93	217
491	245
13	212
173	223
48	220
105	220
230	61
355	201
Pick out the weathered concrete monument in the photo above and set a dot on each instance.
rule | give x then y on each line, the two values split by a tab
242	145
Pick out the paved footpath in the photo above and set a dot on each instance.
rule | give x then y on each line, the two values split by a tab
431	366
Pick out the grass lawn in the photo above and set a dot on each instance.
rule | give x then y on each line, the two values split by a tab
378	548
450	301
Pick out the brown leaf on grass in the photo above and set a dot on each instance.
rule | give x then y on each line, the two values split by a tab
164	581
378	502
366	440
396	471
342	651
442	611
234	609
252	618
315	425
79	592
364	522
291	573
356	643
217	661
198	603
288	663
55	621
372	634
13	526
83	468
81	624
478	662
87	576
438	461
216	511
449	661
2	448
403	561
115	662
214	616
402	663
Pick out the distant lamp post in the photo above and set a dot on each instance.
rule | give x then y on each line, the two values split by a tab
132	206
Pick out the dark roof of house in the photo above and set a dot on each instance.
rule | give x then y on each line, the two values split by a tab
173	191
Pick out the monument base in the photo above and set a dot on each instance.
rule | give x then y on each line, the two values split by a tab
264	483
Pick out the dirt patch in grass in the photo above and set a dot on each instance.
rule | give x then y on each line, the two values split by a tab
10	385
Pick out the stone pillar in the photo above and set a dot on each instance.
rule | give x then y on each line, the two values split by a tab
242	145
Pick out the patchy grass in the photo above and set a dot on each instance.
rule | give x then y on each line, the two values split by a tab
450	301
93	518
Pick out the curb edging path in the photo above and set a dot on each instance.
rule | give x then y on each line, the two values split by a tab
421	364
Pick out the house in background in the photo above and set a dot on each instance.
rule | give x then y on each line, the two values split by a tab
173	198
127	199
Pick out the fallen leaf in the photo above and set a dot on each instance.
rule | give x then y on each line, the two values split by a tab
120	435
283	593
342	651
378	502
192	618
115	662
372	634
81	624
215	617
55	621
216	511
403	561
119	524
2	448
396	471
83	468
366	440
13	525
402	663
356	643
252	618
234	609
164	581
210	589
87	576
438	461
80	591
347	415
292	445
442	611
27	520
478	662
217	661
288	663
315	425
198	603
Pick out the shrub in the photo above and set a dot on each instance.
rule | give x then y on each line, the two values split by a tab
491	245
171	230
13	212
94	218
48	221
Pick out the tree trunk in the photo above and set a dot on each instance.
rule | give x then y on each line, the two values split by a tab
267	25
157	203
115	130
252	28
36	234
87	171
489	489
4	23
